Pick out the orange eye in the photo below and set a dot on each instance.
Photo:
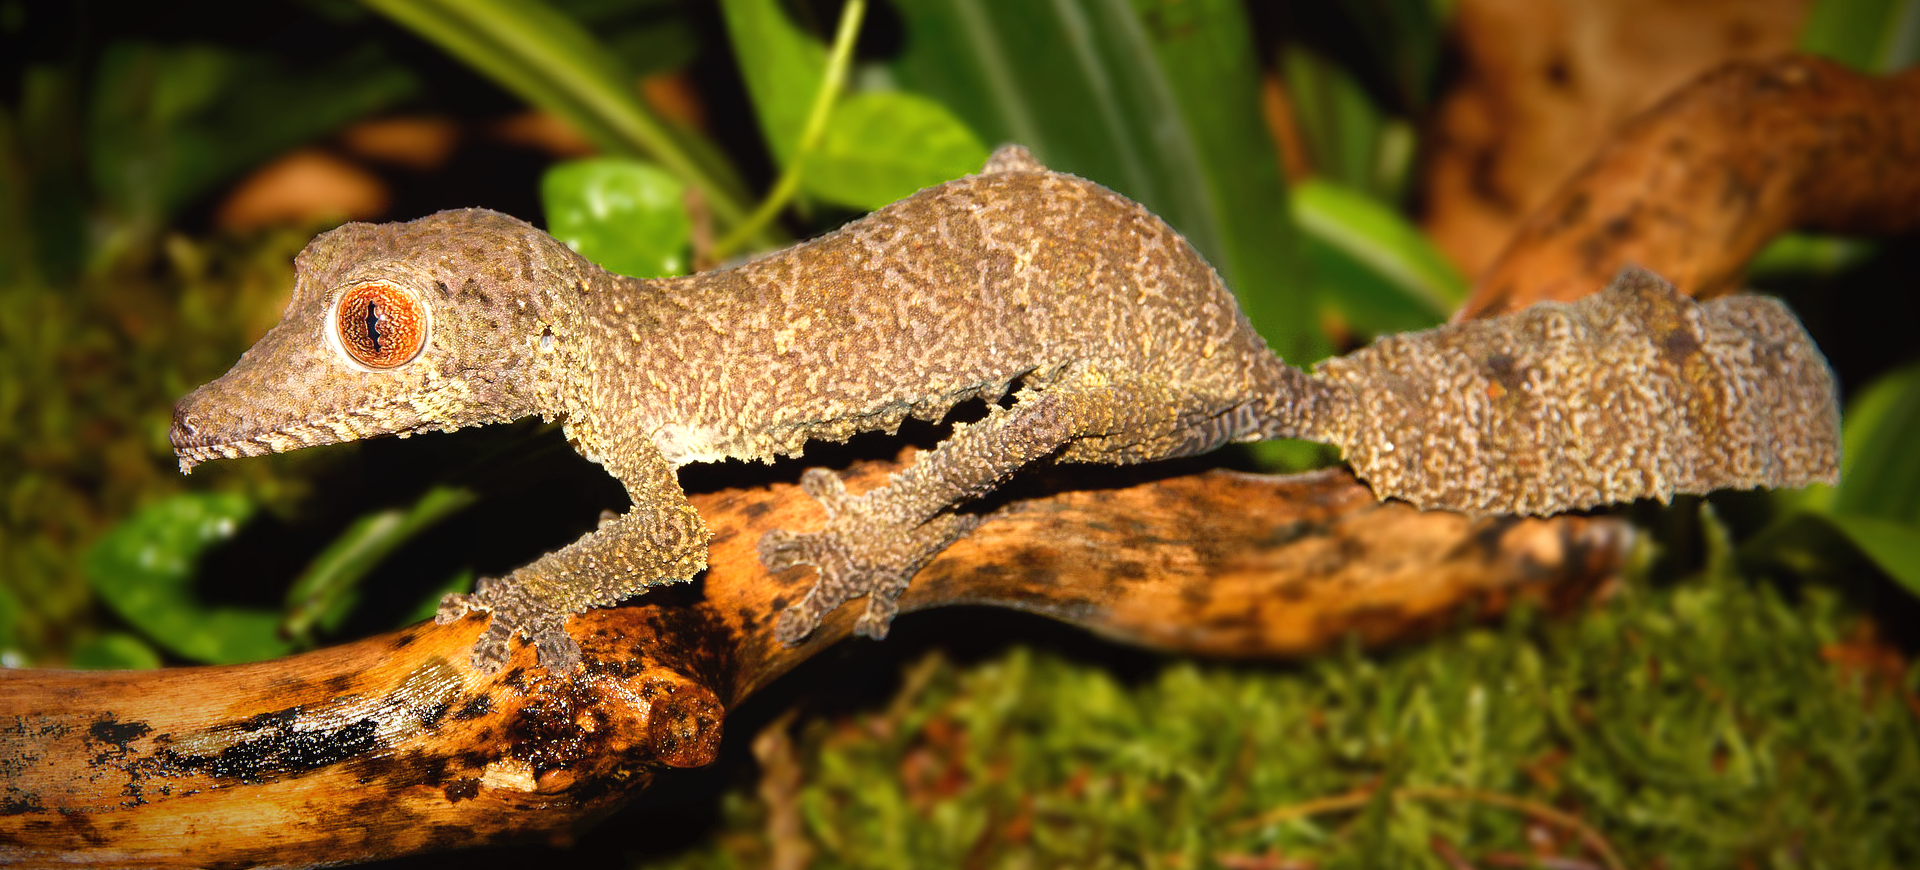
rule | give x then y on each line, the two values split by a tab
380	325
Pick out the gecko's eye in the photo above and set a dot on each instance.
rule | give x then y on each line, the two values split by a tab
380	325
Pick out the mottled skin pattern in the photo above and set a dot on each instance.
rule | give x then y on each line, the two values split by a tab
1119	342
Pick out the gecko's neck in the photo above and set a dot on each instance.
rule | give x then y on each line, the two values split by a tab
587	320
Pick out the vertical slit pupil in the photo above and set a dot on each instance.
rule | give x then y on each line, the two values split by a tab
374	318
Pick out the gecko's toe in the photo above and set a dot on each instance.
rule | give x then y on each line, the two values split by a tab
780	549
796	622
827	489
855	557
556	649
454	606
881	608
491	651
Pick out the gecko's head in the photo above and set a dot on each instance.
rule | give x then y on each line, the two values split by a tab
430	325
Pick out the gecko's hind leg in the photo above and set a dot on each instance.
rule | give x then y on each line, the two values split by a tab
876	563
873	543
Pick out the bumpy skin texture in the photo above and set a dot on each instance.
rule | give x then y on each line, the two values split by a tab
1121	343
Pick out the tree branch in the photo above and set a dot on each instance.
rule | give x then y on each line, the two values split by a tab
1695	186
392	745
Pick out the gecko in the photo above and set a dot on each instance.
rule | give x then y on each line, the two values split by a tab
1091	330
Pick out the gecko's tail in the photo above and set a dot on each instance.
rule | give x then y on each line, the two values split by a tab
1633	392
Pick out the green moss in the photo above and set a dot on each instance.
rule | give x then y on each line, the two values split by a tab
1691	725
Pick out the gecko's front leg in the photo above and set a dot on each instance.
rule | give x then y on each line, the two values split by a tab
661	540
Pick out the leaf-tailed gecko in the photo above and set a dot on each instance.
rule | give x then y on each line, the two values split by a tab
1118	342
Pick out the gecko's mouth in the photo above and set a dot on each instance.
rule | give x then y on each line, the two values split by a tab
193	447
194	454
211	424
196	440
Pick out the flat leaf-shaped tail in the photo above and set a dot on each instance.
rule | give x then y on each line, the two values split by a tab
1633	392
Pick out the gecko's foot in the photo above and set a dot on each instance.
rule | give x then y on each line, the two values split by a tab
511	614
855	554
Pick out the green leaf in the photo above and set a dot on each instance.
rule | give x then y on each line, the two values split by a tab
1877	502
1377	270
1893	546
1868	35
144	570
877	147
881	146
552	62
1159	101
326	592
781	65
626	215
1879	465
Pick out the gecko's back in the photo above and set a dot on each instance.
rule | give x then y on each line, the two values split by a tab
952	293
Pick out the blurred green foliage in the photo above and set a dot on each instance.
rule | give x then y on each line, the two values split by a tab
553	60
145	567
1870	35
86	369
105	310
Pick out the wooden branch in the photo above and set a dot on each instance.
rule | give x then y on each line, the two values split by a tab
392	745
1697	185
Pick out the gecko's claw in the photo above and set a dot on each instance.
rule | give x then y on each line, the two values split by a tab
494	647
780	549
554	648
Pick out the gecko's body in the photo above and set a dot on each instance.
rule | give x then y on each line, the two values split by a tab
1120	343
953	294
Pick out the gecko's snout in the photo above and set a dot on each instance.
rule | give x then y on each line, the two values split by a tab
197	439
185	436
191	429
